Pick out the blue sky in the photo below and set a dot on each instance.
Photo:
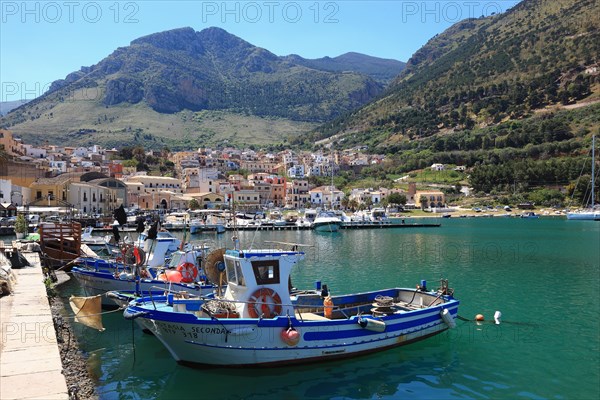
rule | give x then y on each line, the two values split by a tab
41	41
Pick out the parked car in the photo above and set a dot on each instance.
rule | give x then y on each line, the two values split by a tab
10	221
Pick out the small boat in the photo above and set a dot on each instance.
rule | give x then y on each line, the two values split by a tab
198	225
94	241
261	321
206	221
529	214
176	221
60	242
326	221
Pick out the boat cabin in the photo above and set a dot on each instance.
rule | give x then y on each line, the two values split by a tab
378	214
257	281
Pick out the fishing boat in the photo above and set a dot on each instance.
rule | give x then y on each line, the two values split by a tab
261	320
592	212
166	266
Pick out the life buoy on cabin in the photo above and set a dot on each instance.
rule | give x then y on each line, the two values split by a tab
189	272
269	302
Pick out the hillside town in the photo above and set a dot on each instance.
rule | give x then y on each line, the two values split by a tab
92	181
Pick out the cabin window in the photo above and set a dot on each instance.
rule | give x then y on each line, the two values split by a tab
266	272
230	270
240	276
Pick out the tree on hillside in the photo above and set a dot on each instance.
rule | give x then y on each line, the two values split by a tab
139	154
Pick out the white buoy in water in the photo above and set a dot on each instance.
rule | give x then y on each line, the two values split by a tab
447	317
497	316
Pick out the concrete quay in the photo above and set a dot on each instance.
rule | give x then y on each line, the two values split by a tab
30	363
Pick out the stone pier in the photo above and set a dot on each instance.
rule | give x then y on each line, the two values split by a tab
30	364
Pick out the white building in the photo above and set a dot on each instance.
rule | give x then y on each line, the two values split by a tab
296	171
200	180
326	196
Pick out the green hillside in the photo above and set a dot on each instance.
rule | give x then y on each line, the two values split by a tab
484	71
165	76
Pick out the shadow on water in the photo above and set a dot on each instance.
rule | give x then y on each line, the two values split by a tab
380	375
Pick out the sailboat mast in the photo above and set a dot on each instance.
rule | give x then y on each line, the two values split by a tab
593	169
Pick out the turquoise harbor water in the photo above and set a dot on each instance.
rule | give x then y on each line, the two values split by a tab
543	275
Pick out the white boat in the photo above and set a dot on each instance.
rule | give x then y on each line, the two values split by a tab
176	221
327	221
260	321
206	221
530	214
94	241
593	212
376	215
159	262
590	214
308	217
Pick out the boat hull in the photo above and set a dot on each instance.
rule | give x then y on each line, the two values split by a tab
100	282
584	216
326	226
195	229
194	340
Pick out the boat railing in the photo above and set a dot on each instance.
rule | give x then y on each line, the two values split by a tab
317	311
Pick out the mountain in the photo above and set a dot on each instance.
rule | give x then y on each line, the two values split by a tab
481	72
7	106
188	77
381	69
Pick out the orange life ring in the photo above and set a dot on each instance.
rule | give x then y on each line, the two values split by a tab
269	302
189	272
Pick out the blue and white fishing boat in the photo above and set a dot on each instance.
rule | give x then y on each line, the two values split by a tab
261	321
164	267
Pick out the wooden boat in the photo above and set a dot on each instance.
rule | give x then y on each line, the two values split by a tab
60	242
261	321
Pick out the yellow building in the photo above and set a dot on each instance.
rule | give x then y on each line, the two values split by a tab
9	144
66	190
207	200
431	198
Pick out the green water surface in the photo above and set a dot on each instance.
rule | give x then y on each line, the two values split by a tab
543	275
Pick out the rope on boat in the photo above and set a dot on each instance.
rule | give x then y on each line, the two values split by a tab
101	313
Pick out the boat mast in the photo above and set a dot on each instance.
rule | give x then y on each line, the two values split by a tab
593	169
